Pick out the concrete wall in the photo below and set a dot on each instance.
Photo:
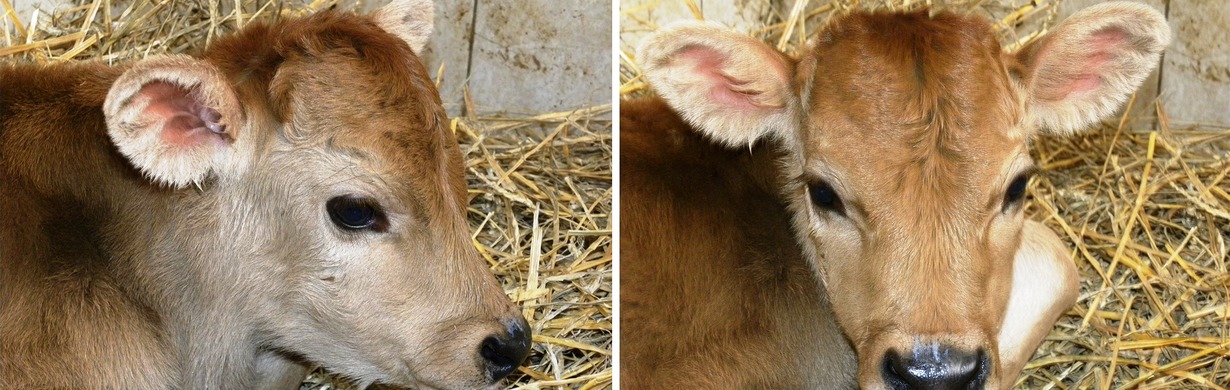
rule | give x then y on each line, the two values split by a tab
519	57
1195	85
523	57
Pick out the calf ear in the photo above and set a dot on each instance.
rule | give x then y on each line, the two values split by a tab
174	117
410	20
1087	67
732	87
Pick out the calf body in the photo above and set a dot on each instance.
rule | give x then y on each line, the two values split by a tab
902	162
290	197
715	292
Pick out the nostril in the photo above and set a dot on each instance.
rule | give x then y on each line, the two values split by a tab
504	352
935	368
500	361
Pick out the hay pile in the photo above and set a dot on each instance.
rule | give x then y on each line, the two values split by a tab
540	186
1146	211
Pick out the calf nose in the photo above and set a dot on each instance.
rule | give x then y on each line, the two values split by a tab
937	367
504	352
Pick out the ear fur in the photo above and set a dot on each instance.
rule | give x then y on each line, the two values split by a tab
174	117
410	20
1087	67
731	86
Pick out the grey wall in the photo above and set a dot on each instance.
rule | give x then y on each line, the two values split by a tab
1195	85
524	56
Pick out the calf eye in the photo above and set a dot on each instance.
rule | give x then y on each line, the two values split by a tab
355	213
824	197
1016	191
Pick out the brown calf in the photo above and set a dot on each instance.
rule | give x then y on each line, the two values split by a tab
894	153
291	196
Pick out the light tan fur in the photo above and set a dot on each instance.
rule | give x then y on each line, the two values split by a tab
919	123
137	133
1060	57
113	280
753	73
1044	285
714	291
410	20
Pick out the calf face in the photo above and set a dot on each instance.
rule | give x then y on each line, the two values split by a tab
908	167
330	197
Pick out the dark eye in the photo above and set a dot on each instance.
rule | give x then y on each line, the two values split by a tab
823	196
1016	191
355	213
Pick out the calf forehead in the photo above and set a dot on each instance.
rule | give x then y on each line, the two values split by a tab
919	104
908	78
362	90
395	119
913	109
393	114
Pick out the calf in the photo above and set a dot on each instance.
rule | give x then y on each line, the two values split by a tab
291	196
889	162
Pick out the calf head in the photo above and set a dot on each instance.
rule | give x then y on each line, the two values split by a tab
909	160
330	196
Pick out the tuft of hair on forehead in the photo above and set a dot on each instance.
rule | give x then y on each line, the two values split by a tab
921	67
255	54
936	76
384	96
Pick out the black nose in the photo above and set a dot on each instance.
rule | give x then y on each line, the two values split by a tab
505	351
935	367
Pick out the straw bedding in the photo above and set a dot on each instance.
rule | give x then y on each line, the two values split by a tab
1146	213
540	186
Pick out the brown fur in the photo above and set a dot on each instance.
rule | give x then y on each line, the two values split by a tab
112	281
919	124
713	288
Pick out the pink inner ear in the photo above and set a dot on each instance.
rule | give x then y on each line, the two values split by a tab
1107	39
186	122
723	89
1084	83
1087	75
